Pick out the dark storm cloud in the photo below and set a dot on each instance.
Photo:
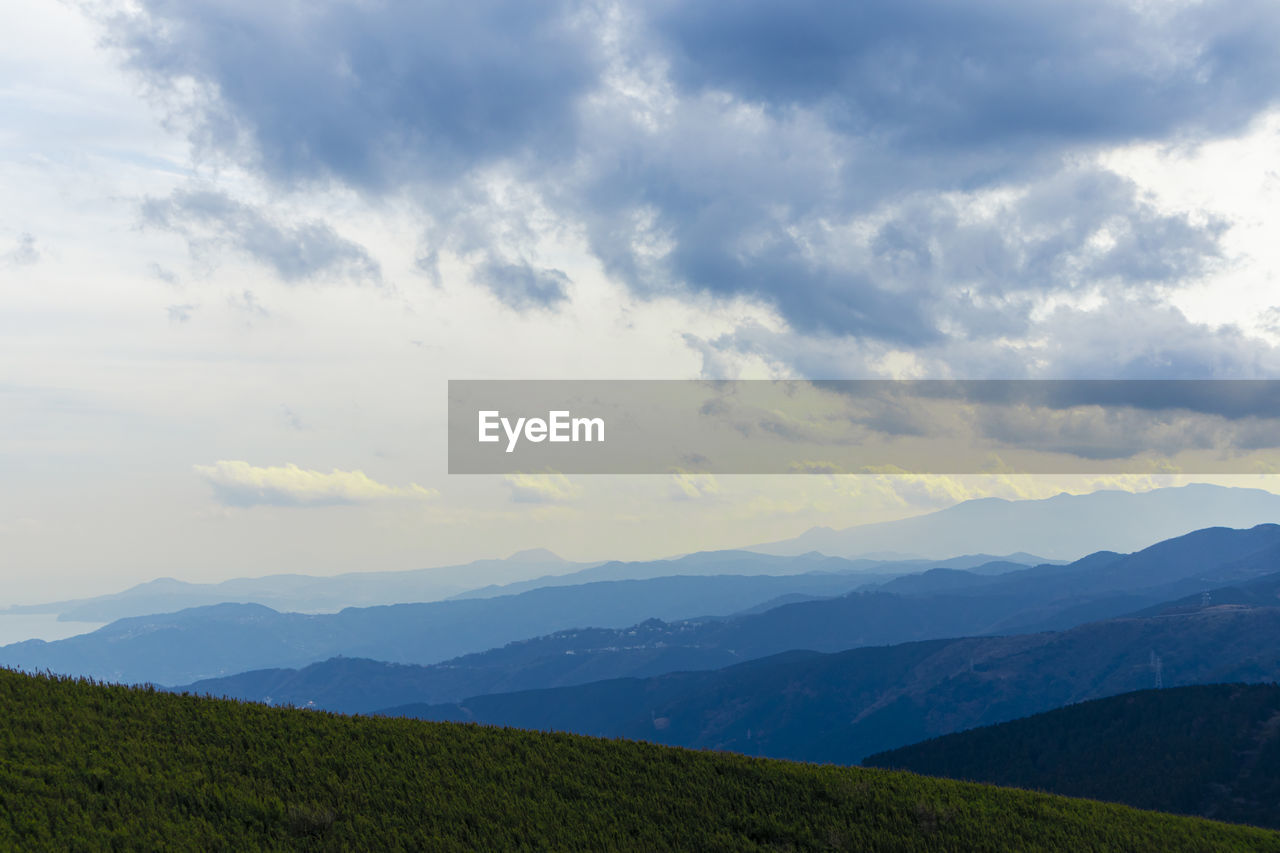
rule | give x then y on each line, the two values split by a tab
828	159
369	93
296	251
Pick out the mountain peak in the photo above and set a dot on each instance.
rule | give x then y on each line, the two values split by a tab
535	555
1063	527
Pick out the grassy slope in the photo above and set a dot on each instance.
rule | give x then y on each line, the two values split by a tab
89	766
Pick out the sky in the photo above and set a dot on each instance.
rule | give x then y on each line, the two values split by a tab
244	246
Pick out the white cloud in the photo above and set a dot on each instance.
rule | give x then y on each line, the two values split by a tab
688	486
541	488
935	491
24	252
180	313
238	483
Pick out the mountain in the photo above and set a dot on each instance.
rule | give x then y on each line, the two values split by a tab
941	580
654	647
217	640
521	572
1064	526
1212	751
536	555
225	639
1100	585
577	656
845	706
92	767
306	593
1262	591
751	563
940	603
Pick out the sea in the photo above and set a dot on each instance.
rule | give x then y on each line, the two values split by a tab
14	628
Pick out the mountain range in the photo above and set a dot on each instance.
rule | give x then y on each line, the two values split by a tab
221	639
1065	526
940	603
1062	528
842	707
751	563
973	667
312	594
306	593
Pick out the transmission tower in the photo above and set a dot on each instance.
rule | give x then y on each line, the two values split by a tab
1157	667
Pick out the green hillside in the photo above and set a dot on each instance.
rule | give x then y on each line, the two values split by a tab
86	766
1212	750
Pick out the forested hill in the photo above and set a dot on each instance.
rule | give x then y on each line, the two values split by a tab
85	766
843	707
1212	750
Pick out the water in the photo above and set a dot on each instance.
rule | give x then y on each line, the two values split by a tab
41	626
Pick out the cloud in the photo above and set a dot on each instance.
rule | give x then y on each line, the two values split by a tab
368	94
1145	339
374	95
179	314
247	305
240	484
541	488
523	286
296	251
1123	338
688	486
1270	320
889	177
930	491
892	225
24	253
998	76
917	270
291	418
168	276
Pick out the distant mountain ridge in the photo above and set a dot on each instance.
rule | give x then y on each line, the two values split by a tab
1065	526
521	572
842	707
941	603
305	593
752	563
222	639
1061	528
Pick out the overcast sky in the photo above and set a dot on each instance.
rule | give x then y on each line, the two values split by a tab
245	244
